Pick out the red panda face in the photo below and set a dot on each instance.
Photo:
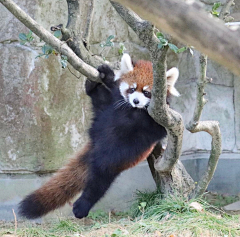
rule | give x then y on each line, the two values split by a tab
135	86
137	97
136	82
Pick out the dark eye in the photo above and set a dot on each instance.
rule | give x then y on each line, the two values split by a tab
131	90
147	94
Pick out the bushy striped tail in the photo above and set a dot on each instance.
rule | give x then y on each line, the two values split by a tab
61	188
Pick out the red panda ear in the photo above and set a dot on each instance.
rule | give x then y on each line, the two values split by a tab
172	76
126	66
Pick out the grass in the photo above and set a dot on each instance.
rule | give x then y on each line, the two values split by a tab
150	216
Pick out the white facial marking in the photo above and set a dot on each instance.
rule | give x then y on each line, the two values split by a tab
135	85
145	88
139	96
126	66
123	87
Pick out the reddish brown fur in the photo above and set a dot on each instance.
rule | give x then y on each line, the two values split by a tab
65	184
142	74
70	180
142	157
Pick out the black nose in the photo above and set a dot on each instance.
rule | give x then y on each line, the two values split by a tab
136	101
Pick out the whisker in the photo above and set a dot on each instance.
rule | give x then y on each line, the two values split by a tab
120	103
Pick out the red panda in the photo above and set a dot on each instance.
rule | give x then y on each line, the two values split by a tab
122	134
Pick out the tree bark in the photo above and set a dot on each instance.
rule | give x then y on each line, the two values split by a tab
170	175
191	25
77	32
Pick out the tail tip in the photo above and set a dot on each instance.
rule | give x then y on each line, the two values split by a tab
30	207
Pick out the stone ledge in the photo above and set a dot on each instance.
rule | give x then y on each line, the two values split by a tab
233	208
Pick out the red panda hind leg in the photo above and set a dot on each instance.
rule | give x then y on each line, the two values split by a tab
61	188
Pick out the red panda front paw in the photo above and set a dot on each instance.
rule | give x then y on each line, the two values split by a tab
81	208
90	85
106	74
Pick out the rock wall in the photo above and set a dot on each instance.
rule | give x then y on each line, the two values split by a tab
44	112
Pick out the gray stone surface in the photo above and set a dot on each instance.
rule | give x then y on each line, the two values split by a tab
233	208
43	111
121	194
236	11
237	110
45	12
220	108
107	22
227	175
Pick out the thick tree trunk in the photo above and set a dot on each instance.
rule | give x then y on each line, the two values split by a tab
177	180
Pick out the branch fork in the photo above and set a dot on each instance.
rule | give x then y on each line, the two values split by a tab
158	108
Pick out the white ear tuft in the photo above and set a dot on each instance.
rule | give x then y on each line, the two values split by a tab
172	76
126	66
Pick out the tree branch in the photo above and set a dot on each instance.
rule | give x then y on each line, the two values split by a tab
78	31
192	26
200	101
225	12
211	127
46	36
158	108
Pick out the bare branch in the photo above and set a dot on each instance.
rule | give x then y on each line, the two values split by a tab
200	101
78	31
87	15
158	108
211	127
46	36
225	12
192	26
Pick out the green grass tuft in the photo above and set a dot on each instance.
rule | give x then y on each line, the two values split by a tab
174	214
153	216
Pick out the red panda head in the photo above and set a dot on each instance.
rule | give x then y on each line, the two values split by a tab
136	82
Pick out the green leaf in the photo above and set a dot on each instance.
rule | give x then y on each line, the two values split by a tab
121	49
173	47
64	61
29	35
40	55
109	44
216	5
116	233
214	11
181	50
159	35
22	37
110	37
160	46
22	42
143	204
164	42
47	49
57	33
